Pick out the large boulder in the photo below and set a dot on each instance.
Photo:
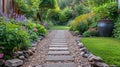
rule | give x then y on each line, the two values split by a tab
13	63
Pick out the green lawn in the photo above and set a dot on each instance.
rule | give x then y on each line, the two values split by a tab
60	28
106	48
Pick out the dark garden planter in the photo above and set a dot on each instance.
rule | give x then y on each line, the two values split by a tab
105	28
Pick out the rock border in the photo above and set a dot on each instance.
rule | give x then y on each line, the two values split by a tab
95	61
20	57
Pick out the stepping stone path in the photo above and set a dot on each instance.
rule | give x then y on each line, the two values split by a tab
58	54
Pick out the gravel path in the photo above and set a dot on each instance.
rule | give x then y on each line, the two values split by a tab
44	48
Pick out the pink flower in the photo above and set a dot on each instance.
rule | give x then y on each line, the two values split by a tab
1	55
35	29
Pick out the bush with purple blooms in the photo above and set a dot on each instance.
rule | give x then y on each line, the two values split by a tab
17	33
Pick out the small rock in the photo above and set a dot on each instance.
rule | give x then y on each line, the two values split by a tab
22	57
80	45
82	53
13	63
86	55
34	44
30	52
41	37
2	61
113	66
33	49
100	64
26	54
91	55
95	58
19	52
83	49
39	66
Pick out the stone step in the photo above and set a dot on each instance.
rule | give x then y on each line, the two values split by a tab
59	58
59	41
58	53
58	48
60	65
58	45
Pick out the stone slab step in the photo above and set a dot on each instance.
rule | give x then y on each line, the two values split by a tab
58	53
58	45
60	65
58	48
58	41
59	58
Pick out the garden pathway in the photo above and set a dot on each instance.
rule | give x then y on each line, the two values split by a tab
58	49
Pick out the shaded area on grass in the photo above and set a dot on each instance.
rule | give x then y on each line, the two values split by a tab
60	28
106	48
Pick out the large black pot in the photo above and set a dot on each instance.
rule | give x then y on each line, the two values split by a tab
105	28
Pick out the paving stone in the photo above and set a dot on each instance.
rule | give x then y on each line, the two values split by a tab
58	53
58	45
39	66
13	63
60	39
59	58
55	41
58	48
60	65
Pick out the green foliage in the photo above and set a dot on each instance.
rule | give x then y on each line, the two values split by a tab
41	29
66	3
90	33
81	27
117	28
28	7
33	36
94	3
107	48
67	12
48	4
35	30
31	25
108	10
62	18
80	9
12	36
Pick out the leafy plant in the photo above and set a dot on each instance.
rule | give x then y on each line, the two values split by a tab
28	7
33	36
12	36
81	27
41	29
80	9
117	28
107	10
